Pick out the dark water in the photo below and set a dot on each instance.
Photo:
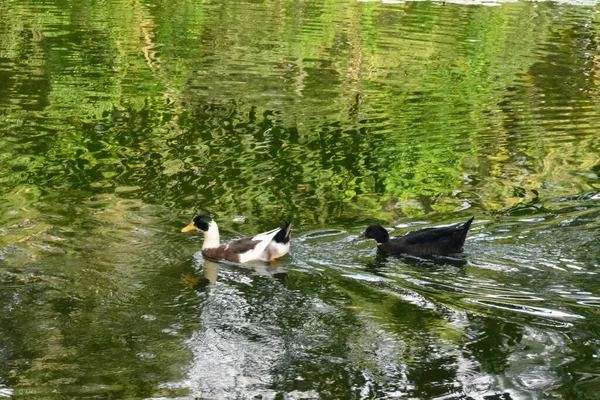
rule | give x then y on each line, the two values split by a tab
121	119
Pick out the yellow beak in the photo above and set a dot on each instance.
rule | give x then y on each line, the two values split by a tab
190	227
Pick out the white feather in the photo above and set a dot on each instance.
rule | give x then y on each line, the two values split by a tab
271	234
258	252
211	237
277	250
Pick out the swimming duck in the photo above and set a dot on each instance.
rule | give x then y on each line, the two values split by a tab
423	242
266	246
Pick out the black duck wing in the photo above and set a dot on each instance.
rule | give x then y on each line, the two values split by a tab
428	235
428	241
283	236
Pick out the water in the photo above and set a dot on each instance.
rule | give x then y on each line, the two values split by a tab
121	120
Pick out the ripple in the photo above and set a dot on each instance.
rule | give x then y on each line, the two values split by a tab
591	303
368	278
334	113
514	297
321	234
526	309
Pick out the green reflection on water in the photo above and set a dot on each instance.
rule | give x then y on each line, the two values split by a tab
120	120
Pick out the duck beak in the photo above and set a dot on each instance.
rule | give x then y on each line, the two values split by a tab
190	227
362	236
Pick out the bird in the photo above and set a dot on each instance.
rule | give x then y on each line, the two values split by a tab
423	242
266	246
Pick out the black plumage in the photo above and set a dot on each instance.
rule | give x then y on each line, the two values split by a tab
283	236
423	242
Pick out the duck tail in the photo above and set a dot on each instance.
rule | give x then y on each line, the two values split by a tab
467	224
283	236
465	227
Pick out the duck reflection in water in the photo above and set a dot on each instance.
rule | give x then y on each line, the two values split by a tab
382	259
210	273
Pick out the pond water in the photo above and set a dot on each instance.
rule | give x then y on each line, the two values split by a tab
120	120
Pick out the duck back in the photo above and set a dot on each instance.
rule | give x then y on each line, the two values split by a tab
430	241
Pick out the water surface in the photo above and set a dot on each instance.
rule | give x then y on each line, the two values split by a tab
121	120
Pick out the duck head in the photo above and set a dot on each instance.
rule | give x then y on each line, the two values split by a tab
378	233
208	226
199	223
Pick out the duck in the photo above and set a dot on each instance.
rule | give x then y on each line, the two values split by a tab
266	246
423	242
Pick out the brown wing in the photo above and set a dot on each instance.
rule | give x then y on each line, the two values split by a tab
221	253
231	251
242	245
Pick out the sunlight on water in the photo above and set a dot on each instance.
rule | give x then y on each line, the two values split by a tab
119	121
588	3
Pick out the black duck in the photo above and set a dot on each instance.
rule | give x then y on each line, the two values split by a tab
423	242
